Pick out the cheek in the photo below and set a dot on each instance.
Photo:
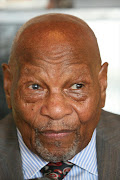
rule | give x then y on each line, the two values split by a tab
89	115
88	109
24	110
25	115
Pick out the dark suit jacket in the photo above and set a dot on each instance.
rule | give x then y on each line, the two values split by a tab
108	148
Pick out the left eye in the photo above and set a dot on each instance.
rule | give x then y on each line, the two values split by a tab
76	86
34	86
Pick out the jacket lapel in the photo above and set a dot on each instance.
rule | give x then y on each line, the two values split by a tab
108	154
10	162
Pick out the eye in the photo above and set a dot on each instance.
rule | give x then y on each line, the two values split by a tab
34	86
77	86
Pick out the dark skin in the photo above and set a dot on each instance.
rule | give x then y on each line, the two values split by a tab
55	85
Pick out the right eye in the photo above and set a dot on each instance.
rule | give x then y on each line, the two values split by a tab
34	86
76	86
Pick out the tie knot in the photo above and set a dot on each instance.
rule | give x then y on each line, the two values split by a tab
56	170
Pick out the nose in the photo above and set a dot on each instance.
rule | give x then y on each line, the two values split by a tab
55	107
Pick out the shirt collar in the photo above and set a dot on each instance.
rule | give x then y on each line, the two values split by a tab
31	163
87	158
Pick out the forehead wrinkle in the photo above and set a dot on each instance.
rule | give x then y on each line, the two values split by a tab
30	67
51	65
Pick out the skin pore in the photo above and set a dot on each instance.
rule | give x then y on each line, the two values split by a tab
55	85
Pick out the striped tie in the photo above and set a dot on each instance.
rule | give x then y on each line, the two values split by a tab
56	171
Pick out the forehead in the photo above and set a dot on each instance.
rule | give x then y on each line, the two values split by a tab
48	36
55	43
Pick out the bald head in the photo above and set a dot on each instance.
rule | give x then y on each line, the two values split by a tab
54	31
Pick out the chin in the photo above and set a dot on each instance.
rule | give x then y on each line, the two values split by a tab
55	155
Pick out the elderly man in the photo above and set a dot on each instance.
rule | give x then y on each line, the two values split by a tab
56	85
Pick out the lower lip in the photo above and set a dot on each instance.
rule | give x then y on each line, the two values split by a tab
56	135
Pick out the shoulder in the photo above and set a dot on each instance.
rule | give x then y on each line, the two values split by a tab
6	119
10	158
109	120
108	116
7	127
108	128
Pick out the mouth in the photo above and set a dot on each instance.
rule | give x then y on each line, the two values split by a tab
56	134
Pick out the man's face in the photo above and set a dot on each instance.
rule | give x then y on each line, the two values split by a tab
55	98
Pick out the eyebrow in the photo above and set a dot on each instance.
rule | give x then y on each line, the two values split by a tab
82	70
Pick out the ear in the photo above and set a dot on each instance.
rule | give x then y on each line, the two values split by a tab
7	83
103	82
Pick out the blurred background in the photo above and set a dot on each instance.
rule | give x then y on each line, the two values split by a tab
103	16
